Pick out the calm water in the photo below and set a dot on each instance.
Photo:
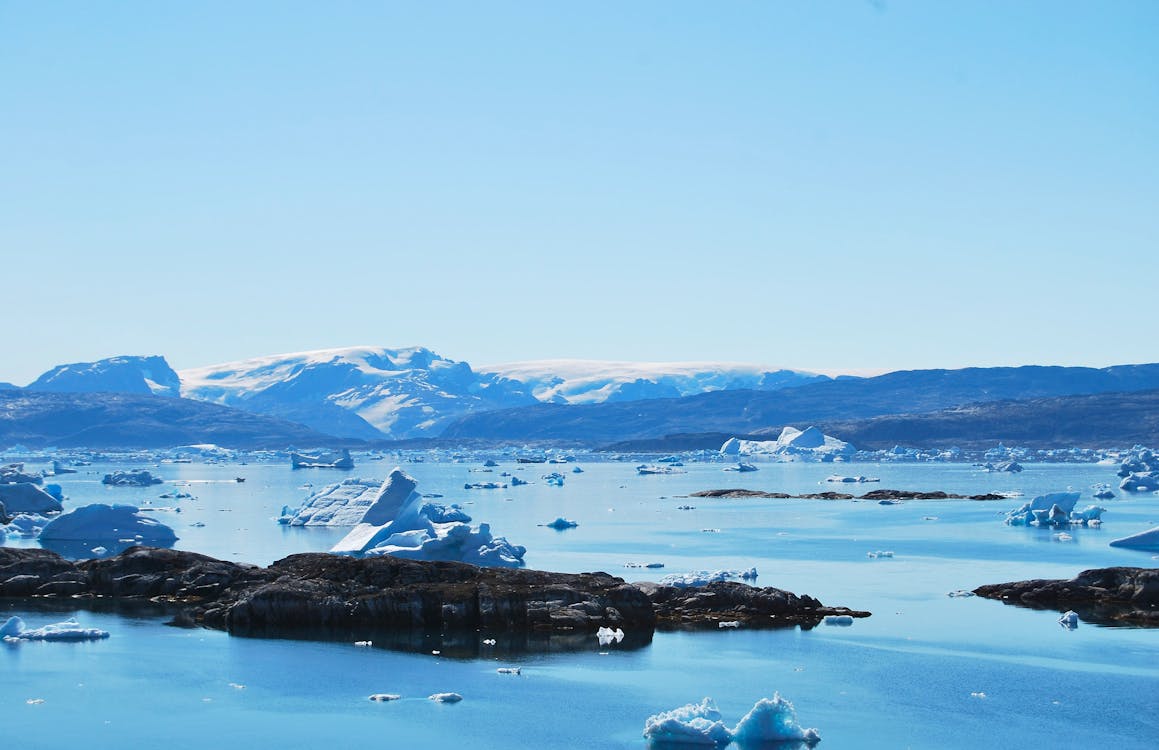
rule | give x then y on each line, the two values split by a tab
902	678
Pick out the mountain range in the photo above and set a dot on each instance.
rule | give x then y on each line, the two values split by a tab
376	394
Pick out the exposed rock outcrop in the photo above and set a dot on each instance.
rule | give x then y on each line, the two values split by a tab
327	596
1101	595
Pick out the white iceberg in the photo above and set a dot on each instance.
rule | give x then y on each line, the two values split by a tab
27	497
607	636
27	525
1146	540
792	444
341	504
705	577
99	523
693	724
322	460
445	697
14	630
1053	509
1142	481
772	720
400	522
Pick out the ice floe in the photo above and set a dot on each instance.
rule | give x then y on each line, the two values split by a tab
561	523
322	460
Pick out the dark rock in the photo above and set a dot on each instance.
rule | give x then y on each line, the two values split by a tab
883	494
1101	595
327	596
729	601
739	493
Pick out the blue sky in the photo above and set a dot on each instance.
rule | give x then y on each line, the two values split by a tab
822	185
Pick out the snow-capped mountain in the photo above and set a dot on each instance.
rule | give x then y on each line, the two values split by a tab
579	381
144	375
362	392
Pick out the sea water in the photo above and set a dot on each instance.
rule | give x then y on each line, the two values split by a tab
926	670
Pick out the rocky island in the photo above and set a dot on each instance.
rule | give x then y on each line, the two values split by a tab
329	596
1126	596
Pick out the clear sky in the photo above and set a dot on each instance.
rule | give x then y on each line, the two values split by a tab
820	185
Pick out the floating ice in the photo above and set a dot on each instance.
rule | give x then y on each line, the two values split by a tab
341	504
879	554
509	670
386	697
705	577
108	523
960	593
400	522
859	479
769	721
741	467
693	724
445	697
555	479
14	630
809	444
364	644
27	497
1053	509
1146	540
322	460
728	624
772	720
141	478
1143	481
607	636
561	523
1069	620
646	469
841	620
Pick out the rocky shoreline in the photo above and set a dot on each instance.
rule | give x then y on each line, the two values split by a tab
318	595
830	495
1122	596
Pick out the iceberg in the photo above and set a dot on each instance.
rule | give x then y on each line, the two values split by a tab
445	698
1146	540
14	631
607	636
1053	509
99	523
792	444
140	478
705	577
341	504
322	460
693	724
561	523
400	522
1141	481
769	721
772	720
27	497
15	474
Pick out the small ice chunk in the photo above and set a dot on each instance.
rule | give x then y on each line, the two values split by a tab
561	523
842	620
364	644
728	624
385	697
510	670
1069	620
879	554
979	696
607	636
960	593
445	697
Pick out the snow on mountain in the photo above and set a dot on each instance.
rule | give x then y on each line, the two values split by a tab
142	375
361	392
580	381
